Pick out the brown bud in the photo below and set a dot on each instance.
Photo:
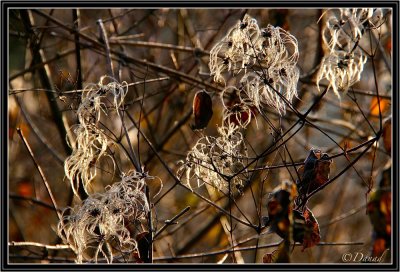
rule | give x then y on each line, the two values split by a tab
202	110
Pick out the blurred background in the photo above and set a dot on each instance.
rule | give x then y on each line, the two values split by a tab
164	54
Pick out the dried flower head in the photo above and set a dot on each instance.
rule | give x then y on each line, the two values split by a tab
271	53
345	27
342	70
343	64
235	51
275	91
217	161
91	142
91	145
99	226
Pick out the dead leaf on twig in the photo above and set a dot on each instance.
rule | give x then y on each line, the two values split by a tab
314	173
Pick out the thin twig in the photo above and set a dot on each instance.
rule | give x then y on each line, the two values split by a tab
171	222
38	57
79	81
179	182
42	64
34	244
33	200
53	200
38	133
225	251
163	46
103	35
343	216
183	76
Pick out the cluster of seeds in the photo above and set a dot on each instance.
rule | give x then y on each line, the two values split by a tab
217	161
101	226
344	60
91	142
262	59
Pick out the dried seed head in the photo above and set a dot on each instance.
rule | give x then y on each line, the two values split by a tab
91	142
103	219
271	50
211	159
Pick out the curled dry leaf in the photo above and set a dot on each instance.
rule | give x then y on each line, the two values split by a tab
314	173
311	230
280	210
305	228
202	110
282	218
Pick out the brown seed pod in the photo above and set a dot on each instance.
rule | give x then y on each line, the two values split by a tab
202	110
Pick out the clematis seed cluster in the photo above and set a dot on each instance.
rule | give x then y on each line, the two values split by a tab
344	60
101	226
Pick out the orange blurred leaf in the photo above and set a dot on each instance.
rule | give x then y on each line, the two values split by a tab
379	247
374	107
25	188
379	210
